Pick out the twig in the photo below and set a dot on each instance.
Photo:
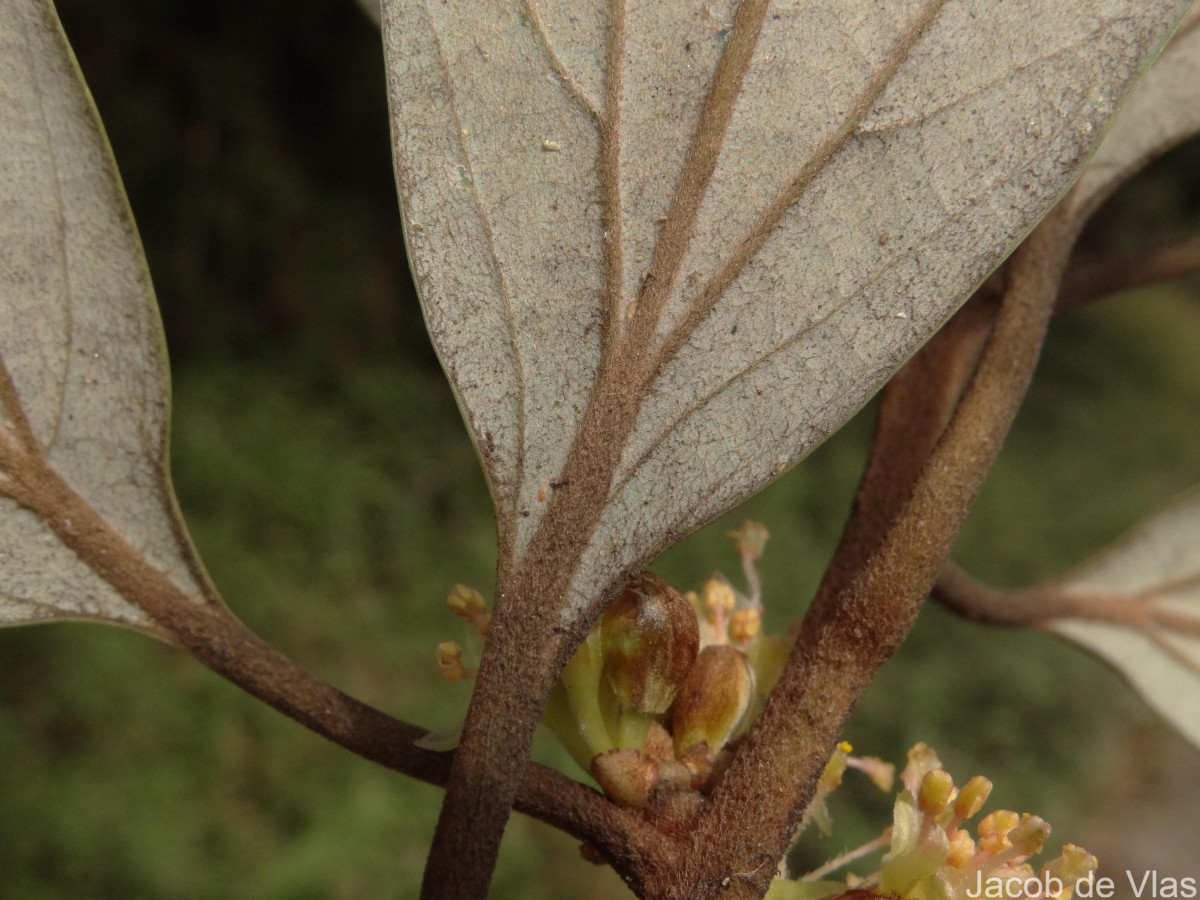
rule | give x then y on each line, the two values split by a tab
856	622
848	857
216	638
1095	280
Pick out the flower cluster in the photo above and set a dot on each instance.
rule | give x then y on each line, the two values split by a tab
666	683
932	856
663	684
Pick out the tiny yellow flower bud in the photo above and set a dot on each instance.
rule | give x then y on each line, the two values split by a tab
649	638
465	602
937	788
449	660
991	844
1029	835
1071	865
962	848
1001	821
713	699
745	624
835	768
751	538
718	596
972	797
921	759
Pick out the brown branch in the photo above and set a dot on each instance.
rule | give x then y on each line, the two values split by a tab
1089	281
528	643
976	601
1037	607
217	639
856	622
914	410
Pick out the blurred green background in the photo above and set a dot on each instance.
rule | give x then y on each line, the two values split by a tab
333	493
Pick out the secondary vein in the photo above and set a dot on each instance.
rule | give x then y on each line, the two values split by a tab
701	306
610	176
696	173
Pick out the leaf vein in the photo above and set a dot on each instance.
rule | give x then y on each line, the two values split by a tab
510	314
701	401
699	163
982	88
699	308
1176	653
610	179
560	68
66	299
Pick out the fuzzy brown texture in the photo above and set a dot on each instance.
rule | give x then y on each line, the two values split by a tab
1102	278
521	662
528	645
713	700
857	621
215	637
650	638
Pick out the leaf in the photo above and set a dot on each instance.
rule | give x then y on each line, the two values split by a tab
1151	579
1161	112
371	9
82	364
665	249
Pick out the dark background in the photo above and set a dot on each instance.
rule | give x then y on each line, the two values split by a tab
332	491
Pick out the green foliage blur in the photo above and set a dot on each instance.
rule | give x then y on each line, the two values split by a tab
333	493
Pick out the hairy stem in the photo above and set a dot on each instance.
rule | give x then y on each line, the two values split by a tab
1096	280
217	639
854	625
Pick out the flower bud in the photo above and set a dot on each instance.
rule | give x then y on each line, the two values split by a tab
465	602
745	624
1029	836
649	640
974	794
449	660
713	700
751	538
937	788
718	597
1071	865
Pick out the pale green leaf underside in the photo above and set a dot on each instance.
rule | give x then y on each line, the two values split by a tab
79	333
498	115
1158	563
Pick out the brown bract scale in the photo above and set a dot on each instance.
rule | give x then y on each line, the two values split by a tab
712	701
627	776
650	638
